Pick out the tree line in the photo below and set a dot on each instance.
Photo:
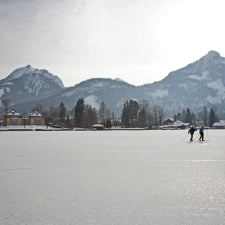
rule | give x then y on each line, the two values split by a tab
82	115
134	114
208	118
140	114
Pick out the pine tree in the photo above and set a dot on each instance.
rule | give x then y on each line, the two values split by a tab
108	123
130	113
193	118
90	117
183	116
133	108
175	117
205	116
79	113
125	120
212	117
62	113
179	116
142	118
94	117
102	113
188	116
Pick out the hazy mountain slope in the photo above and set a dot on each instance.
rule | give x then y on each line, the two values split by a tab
93	91
199	84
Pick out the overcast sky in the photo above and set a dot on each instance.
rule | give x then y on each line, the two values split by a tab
138	41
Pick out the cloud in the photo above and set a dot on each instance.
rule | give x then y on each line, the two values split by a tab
80	39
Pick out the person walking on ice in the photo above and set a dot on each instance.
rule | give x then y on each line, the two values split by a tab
191	131
201	132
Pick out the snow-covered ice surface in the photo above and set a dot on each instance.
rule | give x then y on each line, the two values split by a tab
112	177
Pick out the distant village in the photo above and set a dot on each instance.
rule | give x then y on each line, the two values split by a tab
170	124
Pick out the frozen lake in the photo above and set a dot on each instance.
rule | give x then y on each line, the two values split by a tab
112	177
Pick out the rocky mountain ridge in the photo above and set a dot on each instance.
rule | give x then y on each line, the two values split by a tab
27	84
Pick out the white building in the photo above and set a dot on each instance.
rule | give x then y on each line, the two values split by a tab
219	125
176	125
180	124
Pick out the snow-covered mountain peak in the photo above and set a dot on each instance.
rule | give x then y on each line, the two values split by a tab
19	72
29	84
29	70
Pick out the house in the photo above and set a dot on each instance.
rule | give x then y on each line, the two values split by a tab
219	125
98	127
175	125
12	118
178	124
199	123
49	120
36	118
167	127
168	121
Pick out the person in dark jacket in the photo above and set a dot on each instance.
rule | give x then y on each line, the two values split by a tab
201	132
191	131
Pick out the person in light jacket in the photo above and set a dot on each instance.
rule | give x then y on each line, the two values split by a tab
201	132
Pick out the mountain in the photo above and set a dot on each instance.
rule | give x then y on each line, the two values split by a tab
114	93
118	79
29	84
197	85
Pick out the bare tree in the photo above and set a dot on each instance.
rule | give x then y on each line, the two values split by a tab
39	108
53	113
203	116
90	116
155	115
6	104
161	114
102	113
150	118
144	104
